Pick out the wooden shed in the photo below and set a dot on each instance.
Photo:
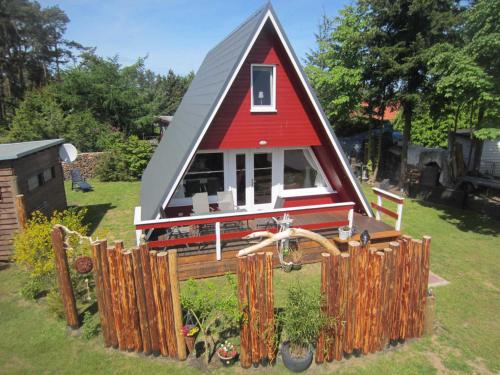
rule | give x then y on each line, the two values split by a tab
34	170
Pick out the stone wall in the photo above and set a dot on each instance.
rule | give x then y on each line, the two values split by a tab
86	162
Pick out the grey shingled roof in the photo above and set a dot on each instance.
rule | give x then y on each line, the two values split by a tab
197	106
12	151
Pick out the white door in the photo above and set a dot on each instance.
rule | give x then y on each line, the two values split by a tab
252	178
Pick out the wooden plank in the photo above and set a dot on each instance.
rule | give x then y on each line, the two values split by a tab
166	300
99	291
245	344
150	302
270	328
262	317
133	309
64	279
253	296
116	298
159	312
141	301
176	305
384	210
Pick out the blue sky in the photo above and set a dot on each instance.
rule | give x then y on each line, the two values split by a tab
178	33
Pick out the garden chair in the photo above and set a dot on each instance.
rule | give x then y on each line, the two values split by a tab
201	207
78	181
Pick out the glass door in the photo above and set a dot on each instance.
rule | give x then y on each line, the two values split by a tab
262	178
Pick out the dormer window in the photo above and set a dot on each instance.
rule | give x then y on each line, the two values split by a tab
263	87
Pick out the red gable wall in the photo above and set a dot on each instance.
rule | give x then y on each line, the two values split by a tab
294	124
235	126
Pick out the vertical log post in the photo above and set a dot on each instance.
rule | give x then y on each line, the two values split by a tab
166	300
343	279
361	298
370	289
150	302
270	329
21	212
333	305
63	278
375	308
99	291
115	294
254	312
245	344
396	301
141	301
261	286
406	283
352	295
135	330
415	283
388	296
424	281
108	299
160	320
123	293
176	305
320	347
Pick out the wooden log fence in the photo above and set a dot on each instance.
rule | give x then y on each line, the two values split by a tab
255	295
374	297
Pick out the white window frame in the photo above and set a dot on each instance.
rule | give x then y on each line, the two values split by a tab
263	108
212	199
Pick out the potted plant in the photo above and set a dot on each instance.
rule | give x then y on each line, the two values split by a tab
345	232
301	322
190	331
227	353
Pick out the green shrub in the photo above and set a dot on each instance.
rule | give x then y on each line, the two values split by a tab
33	247
91	325
125	161
32	289
302	318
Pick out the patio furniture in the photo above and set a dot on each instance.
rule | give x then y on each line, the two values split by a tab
200	204
78	181
225	201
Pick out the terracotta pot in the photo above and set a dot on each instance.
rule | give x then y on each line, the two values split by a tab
190	341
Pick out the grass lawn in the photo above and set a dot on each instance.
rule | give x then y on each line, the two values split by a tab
465	248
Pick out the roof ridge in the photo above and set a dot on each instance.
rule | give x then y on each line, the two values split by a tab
266	7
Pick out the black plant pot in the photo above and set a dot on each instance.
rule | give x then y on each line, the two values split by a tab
295	364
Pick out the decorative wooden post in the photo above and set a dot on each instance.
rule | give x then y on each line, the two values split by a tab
64	279
21	211
176	305
246	351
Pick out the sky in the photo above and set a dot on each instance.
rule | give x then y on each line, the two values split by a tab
177	34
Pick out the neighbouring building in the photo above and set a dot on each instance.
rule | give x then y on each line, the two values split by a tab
34	170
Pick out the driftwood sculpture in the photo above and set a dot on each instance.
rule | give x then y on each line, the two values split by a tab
271	238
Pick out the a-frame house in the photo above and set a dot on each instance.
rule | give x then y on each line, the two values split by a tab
251	132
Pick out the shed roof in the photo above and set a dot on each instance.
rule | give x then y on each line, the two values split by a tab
12	151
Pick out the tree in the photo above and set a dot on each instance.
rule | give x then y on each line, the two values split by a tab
402	31
31	50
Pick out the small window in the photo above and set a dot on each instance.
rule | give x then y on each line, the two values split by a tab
263	88
206	174
300	171
33	182
48	174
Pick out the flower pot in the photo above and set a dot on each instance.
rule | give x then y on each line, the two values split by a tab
227	361
344	234
190	341
293	363
288	267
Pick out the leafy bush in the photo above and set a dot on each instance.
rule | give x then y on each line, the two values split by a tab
33	247
302	318
214	307
91	325
32	289
126	160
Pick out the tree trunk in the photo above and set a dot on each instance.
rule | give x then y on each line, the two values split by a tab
407	114
379	144
479	144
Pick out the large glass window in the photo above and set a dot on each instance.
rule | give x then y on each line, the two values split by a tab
206	174
263	87
300	170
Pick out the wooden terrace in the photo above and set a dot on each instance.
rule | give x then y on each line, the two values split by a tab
208	245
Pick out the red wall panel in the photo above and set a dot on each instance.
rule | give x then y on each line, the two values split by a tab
235	126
